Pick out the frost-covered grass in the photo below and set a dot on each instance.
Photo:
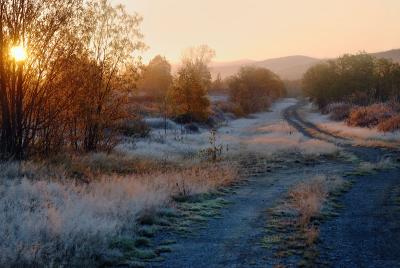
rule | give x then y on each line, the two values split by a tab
55	222
265	133
369	135
48	219
281	138
370	167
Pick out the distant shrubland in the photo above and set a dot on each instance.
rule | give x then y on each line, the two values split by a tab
360	89
358	79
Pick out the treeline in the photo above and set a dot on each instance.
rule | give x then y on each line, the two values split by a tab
69	68
71	89
360	89
185	96
357	79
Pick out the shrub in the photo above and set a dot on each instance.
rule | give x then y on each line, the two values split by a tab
230	107
136	128
390	124
369	116
339	111
214	151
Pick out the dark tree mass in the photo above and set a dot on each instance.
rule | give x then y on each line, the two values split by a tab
254	89
358	79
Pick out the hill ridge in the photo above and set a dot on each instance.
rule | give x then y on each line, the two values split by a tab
290	67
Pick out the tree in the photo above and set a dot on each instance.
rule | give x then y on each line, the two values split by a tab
156	81
360	79
156	78
199	58
111	38
387	80
47	30
68	88
218	85
188	94
318	81
253	89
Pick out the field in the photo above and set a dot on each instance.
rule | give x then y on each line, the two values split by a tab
153	134
51	213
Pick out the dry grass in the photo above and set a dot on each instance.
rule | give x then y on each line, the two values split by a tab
339	111
389	125
311	234
64	223
281	138
293	232
383	115
307	199
90	166
229	107
370	116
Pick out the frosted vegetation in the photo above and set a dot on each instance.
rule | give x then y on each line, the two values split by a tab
49	222
265	133
48	219
359	134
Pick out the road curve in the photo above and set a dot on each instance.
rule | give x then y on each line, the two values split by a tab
367	231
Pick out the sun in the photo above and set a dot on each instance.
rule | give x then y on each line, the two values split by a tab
18	53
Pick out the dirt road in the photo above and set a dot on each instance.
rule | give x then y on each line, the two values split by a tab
365	234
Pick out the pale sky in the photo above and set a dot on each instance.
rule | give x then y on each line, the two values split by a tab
261	29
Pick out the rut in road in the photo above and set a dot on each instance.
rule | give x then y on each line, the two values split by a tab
233	240
366	233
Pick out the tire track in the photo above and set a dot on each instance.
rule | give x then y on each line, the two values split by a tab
366	232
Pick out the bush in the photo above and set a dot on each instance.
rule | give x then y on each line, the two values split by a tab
230	107
136	128
370	116
390	124
339	111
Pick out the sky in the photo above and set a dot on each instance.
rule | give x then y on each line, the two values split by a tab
261	29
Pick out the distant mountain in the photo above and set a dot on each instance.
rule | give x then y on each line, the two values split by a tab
289	68
393	54
238	62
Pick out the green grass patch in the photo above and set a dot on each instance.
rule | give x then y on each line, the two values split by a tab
144	254
163	249
123	244
142	242
148	230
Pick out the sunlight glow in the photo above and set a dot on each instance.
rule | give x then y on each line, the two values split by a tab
18	53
